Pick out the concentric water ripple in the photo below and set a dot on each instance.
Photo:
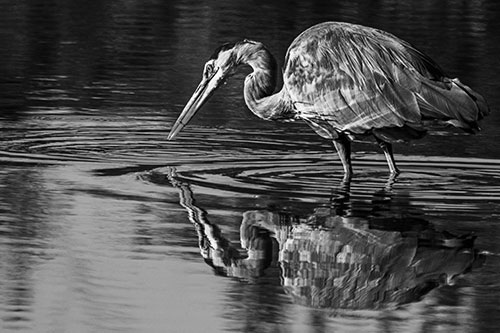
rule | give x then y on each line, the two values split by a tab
251	162
266	166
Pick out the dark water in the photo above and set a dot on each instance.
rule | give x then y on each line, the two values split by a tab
239	225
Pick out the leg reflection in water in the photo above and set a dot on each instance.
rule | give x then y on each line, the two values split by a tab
332	258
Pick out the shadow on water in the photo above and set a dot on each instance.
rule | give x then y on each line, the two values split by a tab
341	255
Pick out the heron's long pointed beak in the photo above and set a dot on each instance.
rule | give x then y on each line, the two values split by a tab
204	90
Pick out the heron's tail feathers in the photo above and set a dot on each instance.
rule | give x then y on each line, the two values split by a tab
483	107
453	102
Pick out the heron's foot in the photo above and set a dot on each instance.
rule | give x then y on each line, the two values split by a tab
393	172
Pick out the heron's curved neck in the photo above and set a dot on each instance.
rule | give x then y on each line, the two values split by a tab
261	83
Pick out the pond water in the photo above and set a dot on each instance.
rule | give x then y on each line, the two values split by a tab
239	225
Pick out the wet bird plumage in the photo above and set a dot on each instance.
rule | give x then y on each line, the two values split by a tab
346	81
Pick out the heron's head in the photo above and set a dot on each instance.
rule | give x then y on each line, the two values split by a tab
221	64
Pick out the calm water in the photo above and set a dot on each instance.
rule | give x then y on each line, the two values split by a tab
239	225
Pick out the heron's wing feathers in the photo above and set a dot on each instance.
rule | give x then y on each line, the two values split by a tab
453	102
344	77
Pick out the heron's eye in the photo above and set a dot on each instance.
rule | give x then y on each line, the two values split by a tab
209	70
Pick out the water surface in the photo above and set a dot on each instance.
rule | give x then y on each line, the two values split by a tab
240	224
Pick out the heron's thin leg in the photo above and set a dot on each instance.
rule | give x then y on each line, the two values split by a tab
387	148
343	146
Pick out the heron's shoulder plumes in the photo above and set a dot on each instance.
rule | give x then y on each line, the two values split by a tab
356	51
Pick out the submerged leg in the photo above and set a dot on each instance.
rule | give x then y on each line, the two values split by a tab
343	146
387	148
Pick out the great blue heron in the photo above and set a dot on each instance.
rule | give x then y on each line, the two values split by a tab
346	81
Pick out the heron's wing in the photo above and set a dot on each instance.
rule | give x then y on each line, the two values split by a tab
345	77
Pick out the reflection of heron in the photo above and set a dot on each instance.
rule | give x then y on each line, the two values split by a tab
332	260
345	81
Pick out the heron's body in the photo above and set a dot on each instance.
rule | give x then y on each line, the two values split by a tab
346	81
